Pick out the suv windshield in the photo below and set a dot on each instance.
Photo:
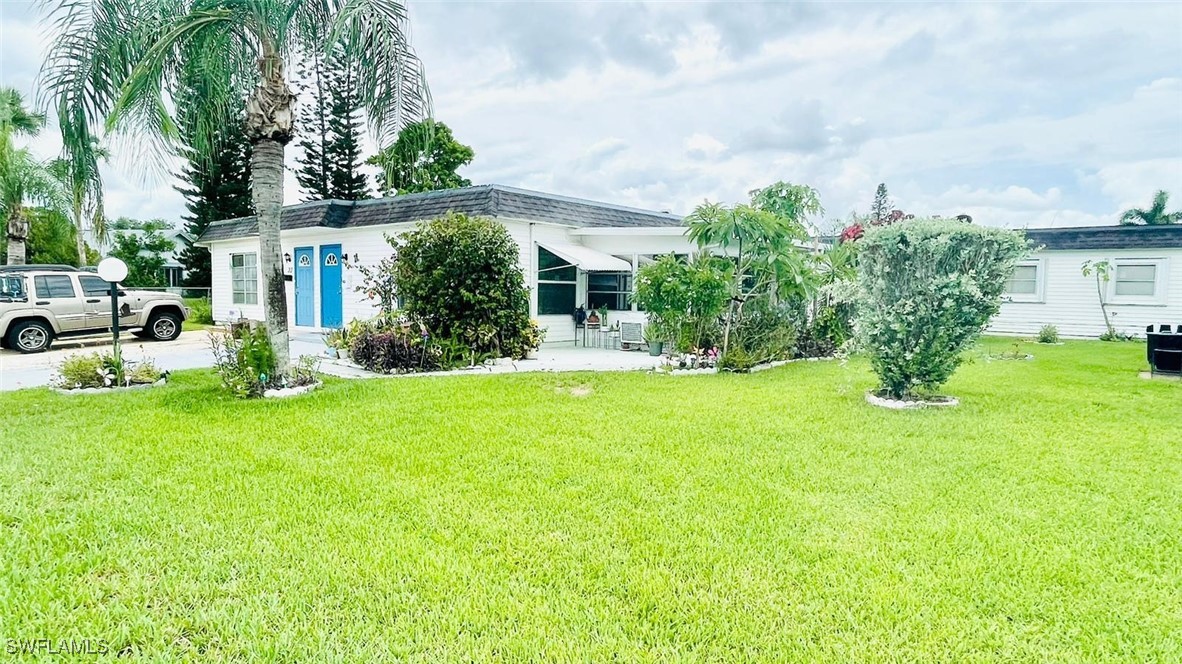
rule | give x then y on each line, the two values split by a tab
12	287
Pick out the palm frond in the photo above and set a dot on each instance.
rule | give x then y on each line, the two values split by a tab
15	118
375	35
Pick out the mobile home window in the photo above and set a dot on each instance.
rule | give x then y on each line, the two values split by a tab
244	277
1025	284
1136	279
556	284
1024	280
610	289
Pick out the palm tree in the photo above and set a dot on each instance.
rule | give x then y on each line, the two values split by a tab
117	63
82	181
24	180
1156	215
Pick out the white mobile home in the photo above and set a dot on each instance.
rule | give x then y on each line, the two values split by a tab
1145	285
574	253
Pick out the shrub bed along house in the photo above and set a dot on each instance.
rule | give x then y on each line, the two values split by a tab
451	294
927	288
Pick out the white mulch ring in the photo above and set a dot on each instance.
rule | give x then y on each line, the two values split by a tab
907	404
677	371
284	392
109	390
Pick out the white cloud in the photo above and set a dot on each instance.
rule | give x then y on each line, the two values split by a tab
1019	115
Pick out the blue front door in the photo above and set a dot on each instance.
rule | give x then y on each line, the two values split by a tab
305	288
330	285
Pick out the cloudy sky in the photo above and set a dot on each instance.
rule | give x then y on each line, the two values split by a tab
1051	114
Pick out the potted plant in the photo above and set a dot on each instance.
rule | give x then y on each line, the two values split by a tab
654	335
603	315
338	343
534	336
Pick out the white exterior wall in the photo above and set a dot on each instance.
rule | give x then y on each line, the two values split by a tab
1069	300
369	246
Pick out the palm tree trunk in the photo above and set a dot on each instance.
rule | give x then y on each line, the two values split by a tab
18	232
266	174
269	127
79	237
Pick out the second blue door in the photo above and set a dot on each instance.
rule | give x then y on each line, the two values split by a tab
305	287
330	286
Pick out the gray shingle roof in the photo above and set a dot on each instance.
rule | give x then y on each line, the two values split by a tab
490	200
1107	237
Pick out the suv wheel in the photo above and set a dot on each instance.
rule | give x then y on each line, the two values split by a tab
164	326
30	336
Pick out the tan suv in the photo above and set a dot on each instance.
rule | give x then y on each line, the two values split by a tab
41	302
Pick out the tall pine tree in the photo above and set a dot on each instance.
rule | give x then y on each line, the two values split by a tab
215	186
330	127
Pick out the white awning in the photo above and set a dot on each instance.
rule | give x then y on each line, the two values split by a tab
586	259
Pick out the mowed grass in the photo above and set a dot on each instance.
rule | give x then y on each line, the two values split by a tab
607	517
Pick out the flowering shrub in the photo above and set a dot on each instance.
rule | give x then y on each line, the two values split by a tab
852	233
926	291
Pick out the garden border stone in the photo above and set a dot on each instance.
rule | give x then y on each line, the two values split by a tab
102	390
284	392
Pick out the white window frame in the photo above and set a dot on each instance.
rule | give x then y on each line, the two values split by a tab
1161	280
1040	272
248	276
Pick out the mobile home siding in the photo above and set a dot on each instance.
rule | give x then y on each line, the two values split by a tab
368	246
1070	301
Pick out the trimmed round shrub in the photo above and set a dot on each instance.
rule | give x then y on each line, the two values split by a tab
460	276
926	291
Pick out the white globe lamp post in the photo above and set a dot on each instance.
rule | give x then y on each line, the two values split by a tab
112	270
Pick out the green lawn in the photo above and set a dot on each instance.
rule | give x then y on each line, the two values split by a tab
609	517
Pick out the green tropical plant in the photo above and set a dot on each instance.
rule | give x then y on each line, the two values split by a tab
1155	215
83	184
25	181
424	158
927	289
762	237
683	299
113	63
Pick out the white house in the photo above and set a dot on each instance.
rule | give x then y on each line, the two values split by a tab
1145	285
574	253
